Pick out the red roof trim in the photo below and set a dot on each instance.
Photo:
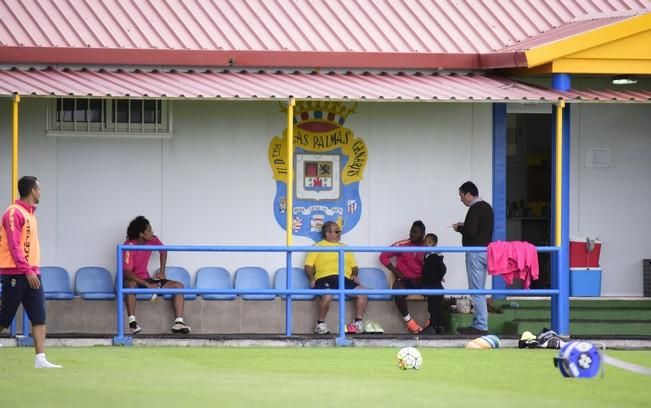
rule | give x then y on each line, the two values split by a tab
245	59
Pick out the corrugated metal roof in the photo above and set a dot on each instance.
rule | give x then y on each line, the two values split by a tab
266	85
298	26
262	85
563	31
608	95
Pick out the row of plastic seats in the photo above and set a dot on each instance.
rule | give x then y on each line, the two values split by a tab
91	282
95	283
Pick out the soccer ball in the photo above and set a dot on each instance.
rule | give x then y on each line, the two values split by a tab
579	359
409	357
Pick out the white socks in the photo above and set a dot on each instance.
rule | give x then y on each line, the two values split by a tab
406	318
41	362
179	320
132	318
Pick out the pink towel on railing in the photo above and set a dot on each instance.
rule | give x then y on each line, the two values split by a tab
513	259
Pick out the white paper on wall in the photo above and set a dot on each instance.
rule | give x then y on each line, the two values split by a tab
597	158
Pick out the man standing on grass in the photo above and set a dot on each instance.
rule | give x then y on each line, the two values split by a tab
19	266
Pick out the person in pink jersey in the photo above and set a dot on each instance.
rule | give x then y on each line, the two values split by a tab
136	274
407	271
19	266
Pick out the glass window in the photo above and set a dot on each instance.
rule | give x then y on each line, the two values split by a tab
109	115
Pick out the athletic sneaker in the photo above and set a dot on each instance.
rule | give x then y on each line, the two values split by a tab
373	327
355	327
471	330
437	329
321	328
368	327
41	362
135	329
180	327
413	327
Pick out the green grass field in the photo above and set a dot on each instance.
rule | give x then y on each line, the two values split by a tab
309	377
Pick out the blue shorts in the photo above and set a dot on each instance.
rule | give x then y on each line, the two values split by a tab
332	282
16	290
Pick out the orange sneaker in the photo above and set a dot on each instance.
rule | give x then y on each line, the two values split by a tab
413	327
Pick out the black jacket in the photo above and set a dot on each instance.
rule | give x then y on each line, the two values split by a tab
433	271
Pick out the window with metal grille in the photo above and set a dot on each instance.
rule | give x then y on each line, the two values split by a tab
87	116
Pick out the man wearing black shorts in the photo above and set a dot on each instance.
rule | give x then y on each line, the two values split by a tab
407	270
139	232
19	266
322	269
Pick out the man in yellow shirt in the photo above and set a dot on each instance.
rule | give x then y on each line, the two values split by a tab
322	269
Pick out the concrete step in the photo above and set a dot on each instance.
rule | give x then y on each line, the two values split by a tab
576	303
526	313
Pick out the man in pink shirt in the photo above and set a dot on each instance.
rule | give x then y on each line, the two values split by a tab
136	274
407	270
19	266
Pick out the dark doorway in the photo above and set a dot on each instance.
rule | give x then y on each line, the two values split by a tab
529	184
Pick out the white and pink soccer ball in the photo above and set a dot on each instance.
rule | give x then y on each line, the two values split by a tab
409	358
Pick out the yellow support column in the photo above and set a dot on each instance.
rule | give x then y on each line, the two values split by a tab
14	156
290	169
558	195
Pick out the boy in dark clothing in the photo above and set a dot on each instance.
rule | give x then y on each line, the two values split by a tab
433	276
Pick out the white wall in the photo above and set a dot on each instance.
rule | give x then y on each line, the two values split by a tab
613	202
211	184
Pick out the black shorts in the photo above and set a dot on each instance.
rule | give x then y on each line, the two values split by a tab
16	290
160	282
411	283
332	282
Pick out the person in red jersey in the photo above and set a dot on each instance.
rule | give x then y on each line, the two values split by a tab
407	270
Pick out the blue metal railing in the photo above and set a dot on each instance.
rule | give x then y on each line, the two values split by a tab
560	320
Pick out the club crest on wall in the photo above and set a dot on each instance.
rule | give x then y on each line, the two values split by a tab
329	163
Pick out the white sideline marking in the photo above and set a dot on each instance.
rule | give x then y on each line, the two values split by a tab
627	366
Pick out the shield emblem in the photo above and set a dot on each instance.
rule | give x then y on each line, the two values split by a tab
329	163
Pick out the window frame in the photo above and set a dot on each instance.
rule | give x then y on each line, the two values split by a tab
107	126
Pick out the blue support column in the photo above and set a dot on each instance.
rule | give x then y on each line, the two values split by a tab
341	340
120	339
288	299
561	307
561	82
499	183
564	276
560	313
